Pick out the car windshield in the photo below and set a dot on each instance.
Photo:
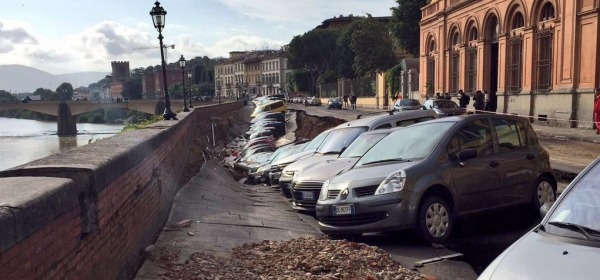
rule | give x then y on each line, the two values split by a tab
334	99
362	144
409	102
445	104
316	142
340	138
413	142
287	151
580	206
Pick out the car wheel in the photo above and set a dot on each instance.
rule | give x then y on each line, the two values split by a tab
544	192
434	222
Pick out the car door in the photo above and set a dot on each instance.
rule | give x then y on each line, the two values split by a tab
477	181
517	164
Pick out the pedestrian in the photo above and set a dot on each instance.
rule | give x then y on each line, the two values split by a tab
438	95
479	102
597	110
398	96
463	100
486	101
353	100
346	101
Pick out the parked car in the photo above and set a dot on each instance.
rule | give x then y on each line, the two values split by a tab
313	101
334	102
342	135
443	107
270	106
269	115
566	244
407	104
307	182
260	173
429	174
278	165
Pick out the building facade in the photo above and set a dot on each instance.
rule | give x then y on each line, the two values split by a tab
253	72
152	82
536	58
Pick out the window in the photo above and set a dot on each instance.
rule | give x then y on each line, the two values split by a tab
454	64
511	134
515	60
475	135
547	12
471	70
454	71
387	125
430	69
543	63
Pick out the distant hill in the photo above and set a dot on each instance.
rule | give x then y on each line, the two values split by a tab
20	78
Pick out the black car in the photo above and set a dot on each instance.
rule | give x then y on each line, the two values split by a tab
334	102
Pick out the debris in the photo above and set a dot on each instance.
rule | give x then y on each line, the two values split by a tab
183	223
190	233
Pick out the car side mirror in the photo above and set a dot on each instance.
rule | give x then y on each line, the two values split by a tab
545	208
463	156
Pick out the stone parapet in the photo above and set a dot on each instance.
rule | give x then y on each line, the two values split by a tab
87	213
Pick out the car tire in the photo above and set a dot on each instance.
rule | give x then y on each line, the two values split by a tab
434	221
544	190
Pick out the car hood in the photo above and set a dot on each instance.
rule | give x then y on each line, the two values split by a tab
546	258
324	170
293	158
310	160
367	175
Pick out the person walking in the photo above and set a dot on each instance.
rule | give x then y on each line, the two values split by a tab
479	102
353	100
597	110
346	101
463	100
486	101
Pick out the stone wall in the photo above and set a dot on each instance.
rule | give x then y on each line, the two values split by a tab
87	213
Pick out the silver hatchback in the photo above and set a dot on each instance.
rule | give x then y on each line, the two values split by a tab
428	174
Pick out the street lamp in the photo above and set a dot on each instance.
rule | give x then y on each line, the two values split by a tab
190	81
158	19
182	65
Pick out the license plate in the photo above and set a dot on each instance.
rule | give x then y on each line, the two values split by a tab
343	209
308	195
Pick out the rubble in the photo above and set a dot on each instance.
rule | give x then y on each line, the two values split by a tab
300	258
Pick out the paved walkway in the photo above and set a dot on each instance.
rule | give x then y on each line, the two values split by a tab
224	214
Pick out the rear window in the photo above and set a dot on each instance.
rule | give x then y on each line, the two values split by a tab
409	102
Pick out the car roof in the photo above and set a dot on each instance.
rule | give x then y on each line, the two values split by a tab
377	119
471	117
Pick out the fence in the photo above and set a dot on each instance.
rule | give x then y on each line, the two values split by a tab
361	87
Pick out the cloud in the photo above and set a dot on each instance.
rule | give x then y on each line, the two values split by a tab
11	36
112	40
243	43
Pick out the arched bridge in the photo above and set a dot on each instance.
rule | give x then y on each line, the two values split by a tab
65	111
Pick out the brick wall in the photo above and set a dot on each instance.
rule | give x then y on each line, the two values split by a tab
96	207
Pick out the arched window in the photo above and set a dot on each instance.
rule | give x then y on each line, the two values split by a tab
547	12
544	40
430	74
454	63
473	34
471	63
518	21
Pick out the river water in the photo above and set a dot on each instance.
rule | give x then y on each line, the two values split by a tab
22	141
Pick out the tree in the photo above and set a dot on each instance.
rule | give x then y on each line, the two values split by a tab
344	52
132	88
405	24
65	91
7	97
315	51
372	46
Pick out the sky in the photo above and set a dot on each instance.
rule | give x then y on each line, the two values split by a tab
66	36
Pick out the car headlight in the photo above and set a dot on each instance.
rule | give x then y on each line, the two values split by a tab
323	194
393	183
290	172
252	171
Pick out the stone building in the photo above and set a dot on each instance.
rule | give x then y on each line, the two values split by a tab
152	82
535	58
120	73
252	72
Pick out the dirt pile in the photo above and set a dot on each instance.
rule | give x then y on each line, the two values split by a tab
301	258
310	126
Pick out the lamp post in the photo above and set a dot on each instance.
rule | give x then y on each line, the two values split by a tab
219	87
158	19
182	65
190	81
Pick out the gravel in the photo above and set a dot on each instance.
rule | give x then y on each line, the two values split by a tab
300	258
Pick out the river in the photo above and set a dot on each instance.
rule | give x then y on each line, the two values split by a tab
22	141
